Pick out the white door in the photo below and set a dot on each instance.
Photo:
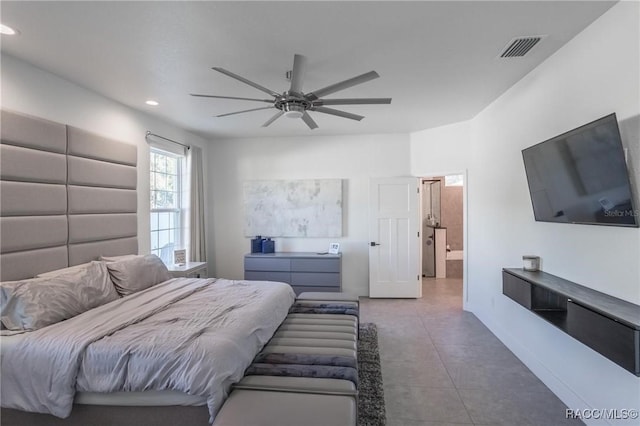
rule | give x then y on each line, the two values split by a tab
394	248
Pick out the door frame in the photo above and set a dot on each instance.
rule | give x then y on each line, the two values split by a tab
465	229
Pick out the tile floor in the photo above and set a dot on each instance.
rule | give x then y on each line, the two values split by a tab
441	366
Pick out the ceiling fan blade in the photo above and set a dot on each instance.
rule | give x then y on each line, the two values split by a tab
337	112
274	118
232	97
307	119
355	101
245	81
297	74
316	94
246	110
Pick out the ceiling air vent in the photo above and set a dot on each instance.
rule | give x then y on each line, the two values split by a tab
520	46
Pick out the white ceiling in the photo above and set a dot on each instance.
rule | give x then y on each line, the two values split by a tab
437	60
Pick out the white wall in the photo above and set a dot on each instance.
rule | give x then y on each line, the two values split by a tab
595	74
441	150
355	159
31	90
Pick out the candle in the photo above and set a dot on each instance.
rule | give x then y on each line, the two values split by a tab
531	263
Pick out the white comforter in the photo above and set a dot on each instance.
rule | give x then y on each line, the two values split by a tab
191	335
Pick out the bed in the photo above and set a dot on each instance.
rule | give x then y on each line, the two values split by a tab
67	198
179	342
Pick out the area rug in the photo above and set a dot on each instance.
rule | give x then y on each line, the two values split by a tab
371	411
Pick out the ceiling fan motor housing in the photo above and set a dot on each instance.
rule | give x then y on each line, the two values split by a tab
292	104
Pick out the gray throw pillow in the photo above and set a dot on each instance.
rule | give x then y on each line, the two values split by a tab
64	271
37	302
137	273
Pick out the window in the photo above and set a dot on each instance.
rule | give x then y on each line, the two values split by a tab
453	180
166	203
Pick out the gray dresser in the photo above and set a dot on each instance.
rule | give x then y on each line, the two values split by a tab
303	271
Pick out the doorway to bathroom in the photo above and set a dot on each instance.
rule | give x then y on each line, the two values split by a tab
443	234
430	222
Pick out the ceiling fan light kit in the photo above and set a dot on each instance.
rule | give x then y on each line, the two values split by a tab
295	104
292	110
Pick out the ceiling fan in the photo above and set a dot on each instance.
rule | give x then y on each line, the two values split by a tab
296	104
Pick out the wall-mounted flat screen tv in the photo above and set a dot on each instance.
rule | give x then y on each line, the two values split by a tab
581	177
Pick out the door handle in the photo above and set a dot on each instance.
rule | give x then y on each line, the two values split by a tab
373	244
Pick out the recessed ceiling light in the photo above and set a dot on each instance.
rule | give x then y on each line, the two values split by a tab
152	103
7	30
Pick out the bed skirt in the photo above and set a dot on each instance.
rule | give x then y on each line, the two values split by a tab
106	415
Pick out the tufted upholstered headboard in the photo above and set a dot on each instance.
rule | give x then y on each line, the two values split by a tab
67	196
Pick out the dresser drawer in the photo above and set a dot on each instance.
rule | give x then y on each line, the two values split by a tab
315	279
606	336
517	289
284	277
266	264
315	265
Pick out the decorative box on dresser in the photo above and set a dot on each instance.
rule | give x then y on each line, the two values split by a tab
303	271
189	270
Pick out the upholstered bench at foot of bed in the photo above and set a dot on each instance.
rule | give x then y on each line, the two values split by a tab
324	296
298	384
311	340
289	408
306	374
315	343
322	316
318	327
327	305
311	346
290	401
306	319
347	325
322	319
324	307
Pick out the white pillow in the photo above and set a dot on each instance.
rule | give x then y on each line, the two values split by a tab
137	273
37	302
